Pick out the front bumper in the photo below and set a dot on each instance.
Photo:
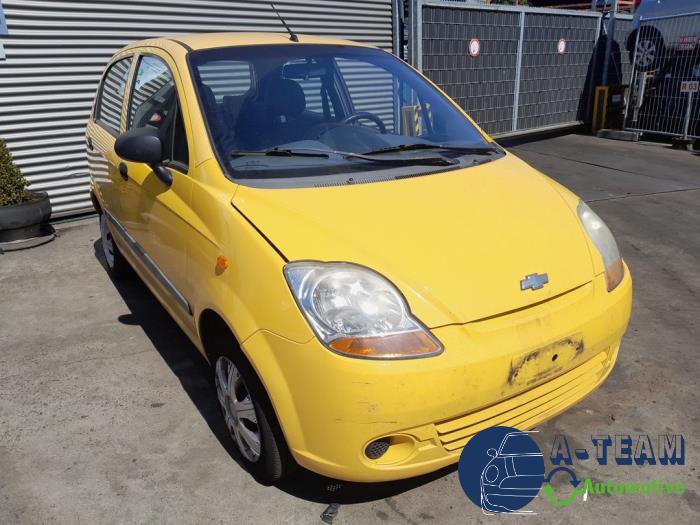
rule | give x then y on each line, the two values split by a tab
517	369
496	500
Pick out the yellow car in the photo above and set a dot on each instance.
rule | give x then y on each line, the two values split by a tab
372	278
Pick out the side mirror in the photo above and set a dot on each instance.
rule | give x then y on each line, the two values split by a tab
144	145
492	452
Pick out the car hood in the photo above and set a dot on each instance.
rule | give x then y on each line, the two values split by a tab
457	244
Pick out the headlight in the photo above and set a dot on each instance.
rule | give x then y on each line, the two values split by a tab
357	312
605	242
491	473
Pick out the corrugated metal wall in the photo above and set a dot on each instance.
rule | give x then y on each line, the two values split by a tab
56	51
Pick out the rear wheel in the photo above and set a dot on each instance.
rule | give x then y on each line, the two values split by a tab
250	420
117	265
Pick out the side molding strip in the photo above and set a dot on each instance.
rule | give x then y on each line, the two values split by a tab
148	262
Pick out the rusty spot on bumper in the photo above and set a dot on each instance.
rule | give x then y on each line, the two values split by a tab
539	362
515	369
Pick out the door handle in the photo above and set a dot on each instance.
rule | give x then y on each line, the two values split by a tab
123	171
89	143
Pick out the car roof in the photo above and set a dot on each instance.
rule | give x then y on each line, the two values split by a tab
214	40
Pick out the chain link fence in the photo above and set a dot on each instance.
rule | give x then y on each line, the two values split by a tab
665	95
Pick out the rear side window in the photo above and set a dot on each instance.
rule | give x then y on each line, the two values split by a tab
312	84
225	86
226	78
109	106
371	88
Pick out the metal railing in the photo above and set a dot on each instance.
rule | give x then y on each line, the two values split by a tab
665	87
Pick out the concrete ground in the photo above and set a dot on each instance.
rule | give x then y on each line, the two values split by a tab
107	414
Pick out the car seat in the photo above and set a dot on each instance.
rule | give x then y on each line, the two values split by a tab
220	129
272	118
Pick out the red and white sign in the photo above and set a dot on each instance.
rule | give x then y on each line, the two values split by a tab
561	46
474	47
686	43
690	86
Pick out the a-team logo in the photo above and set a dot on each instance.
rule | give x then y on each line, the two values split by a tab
502	469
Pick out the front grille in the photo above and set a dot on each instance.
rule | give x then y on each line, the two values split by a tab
527	409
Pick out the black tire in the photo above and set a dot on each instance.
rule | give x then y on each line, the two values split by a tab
25	220
275	462
651	49
117	265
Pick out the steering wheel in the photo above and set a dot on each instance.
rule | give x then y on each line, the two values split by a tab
365	115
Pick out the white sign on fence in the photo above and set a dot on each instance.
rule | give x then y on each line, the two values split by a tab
561	46
686	43
474	47
690	86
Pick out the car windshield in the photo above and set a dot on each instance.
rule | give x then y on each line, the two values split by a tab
304	110
518	444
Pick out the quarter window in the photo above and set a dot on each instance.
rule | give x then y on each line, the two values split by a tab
109	106
178	149
154	103
153	93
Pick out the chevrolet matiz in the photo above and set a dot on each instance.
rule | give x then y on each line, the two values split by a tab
371	277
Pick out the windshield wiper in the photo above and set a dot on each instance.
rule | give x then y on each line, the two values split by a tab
281	152
326	153
477	150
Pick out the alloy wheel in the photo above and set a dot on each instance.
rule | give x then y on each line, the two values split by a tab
238	409
646	53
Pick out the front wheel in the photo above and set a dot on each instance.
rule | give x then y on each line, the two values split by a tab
250	420
117	265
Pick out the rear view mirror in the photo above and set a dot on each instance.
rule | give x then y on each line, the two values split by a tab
303	71
492	452
144	145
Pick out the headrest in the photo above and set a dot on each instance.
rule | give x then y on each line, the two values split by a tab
285	97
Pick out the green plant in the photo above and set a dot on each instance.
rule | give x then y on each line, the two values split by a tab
13	186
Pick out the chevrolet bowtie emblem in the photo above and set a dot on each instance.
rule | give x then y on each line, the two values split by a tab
534	281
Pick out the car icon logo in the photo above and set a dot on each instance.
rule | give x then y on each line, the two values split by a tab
534	281
513	476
